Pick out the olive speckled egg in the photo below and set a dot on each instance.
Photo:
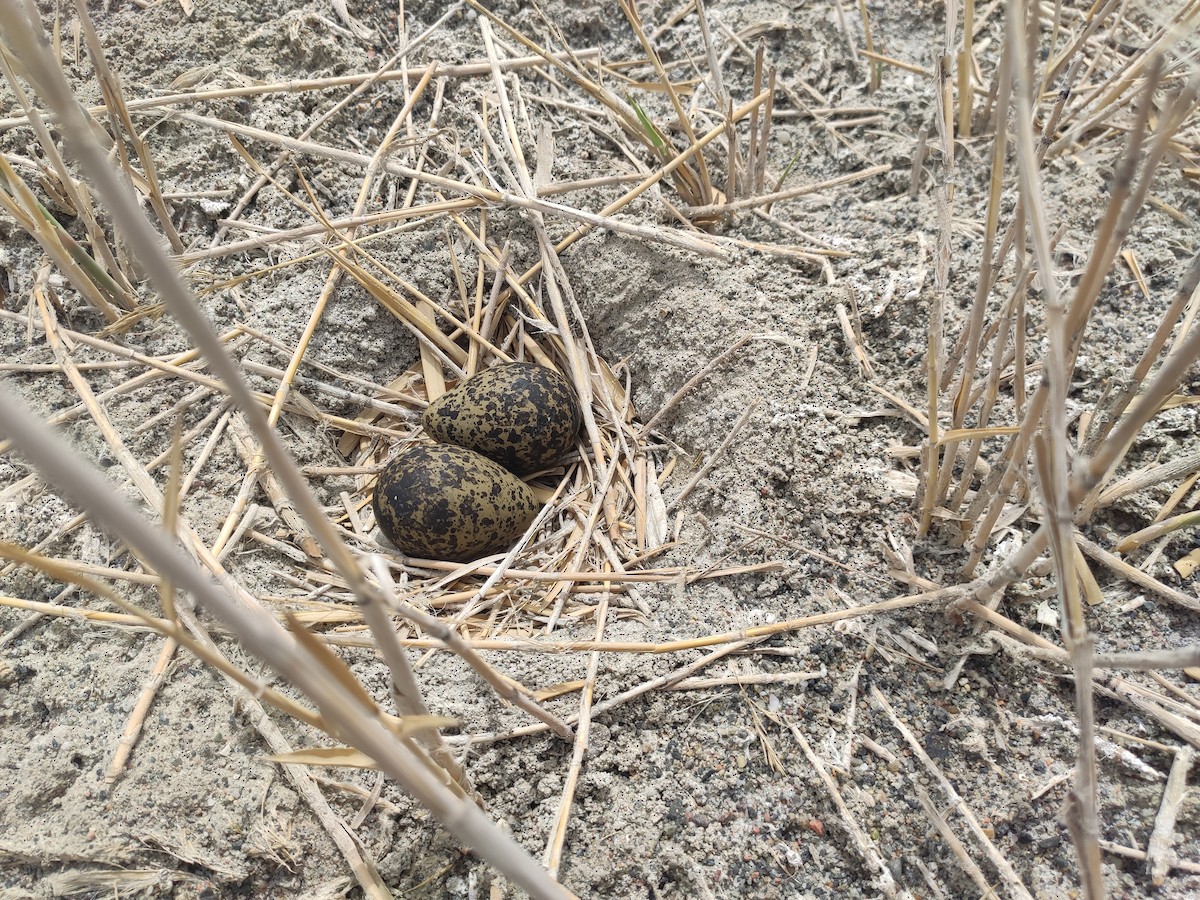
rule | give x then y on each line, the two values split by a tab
450	503
522	415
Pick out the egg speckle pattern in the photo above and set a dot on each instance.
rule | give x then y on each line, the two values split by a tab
450	503
519	414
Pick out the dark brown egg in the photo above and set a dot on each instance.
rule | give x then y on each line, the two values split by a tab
521	415
450	503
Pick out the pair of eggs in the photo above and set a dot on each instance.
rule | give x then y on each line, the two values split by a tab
461	498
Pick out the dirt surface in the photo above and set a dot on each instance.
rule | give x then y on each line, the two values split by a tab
692	793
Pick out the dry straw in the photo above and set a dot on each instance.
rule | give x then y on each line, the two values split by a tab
995	452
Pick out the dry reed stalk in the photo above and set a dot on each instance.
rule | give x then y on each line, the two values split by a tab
696	187
965	64
1052	449
790	194
1159	854
934	354
1121	399
1127	198
413	217
85	275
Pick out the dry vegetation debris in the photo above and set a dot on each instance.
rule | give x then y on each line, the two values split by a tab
882	317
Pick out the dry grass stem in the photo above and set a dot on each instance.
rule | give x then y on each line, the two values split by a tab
1007	874
862	842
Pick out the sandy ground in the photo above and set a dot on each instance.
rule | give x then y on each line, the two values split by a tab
687	794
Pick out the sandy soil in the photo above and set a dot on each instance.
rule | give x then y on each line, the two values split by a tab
700	793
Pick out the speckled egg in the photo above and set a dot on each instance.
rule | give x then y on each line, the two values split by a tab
450	503
519	414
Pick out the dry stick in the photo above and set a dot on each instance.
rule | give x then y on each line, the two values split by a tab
406	693
862	842
1005	329
624	697
400	55
552	858
704	182
1123	206
670	237
789	194
965	69
1126	393
1153	705
690	384
503	686
1053	447
114	102
992	266
373	387
713	457
873	68
418	215
202	459
1157	530
392	409
245	447
1141	414
704	684
752	148
55	368
1159	854
137	716
463	70
1088	474
81	201
669	573
1125	76
714	69
983	284
622	111
1183	865
944	117
255	628
956	846
1137	576
1007	873
80	269
1095	18
167	591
